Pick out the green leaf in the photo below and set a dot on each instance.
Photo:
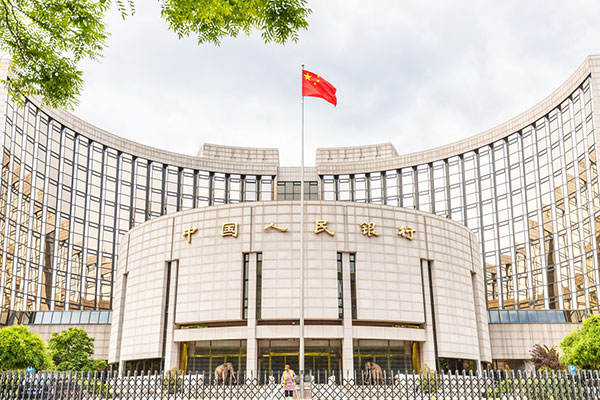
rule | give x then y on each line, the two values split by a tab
20	348
72	350
47	39
212	20
582	347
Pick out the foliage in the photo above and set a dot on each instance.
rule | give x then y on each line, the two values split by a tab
47	39
72	350
172	380
20	348
499	388
99	364
551	385
212	20
582	347
545	358
94	387
429	381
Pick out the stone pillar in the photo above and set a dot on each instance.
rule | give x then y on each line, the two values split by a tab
480	311
347	345
427	347
251	345
172	348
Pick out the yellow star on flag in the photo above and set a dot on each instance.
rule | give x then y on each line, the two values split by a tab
307	77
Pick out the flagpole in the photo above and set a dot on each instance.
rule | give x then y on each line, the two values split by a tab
302	256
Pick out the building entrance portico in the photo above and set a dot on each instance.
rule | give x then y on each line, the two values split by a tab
205	356
321	355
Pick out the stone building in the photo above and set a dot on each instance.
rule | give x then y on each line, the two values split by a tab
504	253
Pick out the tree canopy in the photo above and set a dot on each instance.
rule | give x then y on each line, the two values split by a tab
20	348
47	39
73	350
582	347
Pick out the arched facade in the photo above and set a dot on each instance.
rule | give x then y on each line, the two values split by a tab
528	189
386	284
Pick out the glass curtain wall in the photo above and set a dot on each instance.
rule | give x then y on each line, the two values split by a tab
65	201
531	198
290	190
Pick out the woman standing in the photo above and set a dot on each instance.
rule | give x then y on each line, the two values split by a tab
287	379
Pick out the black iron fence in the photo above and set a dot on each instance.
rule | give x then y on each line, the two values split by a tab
519	385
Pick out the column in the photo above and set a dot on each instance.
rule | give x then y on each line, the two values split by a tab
171	349
428	348
347	345
251	345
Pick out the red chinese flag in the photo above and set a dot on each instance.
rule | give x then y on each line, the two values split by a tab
315	86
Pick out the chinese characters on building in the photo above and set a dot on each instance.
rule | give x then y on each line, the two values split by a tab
407	232
189	232
229	229
321	226
272	226
366	228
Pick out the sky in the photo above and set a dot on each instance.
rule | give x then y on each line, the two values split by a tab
417	74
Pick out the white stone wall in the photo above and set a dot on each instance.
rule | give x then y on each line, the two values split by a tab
137	328
513	341
210	269
454	294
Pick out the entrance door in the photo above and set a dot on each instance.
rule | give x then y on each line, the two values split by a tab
322	358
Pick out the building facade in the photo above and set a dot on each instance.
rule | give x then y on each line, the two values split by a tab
527	189
221	284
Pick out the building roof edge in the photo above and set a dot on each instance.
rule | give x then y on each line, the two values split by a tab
471	143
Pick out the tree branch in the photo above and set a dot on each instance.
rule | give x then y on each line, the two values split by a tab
17	41
16	7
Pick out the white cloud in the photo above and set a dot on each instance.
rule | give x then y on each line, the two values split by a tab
417	74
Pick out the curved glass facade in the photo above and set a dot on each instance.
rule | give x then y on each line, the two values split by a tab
531	197
65	200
